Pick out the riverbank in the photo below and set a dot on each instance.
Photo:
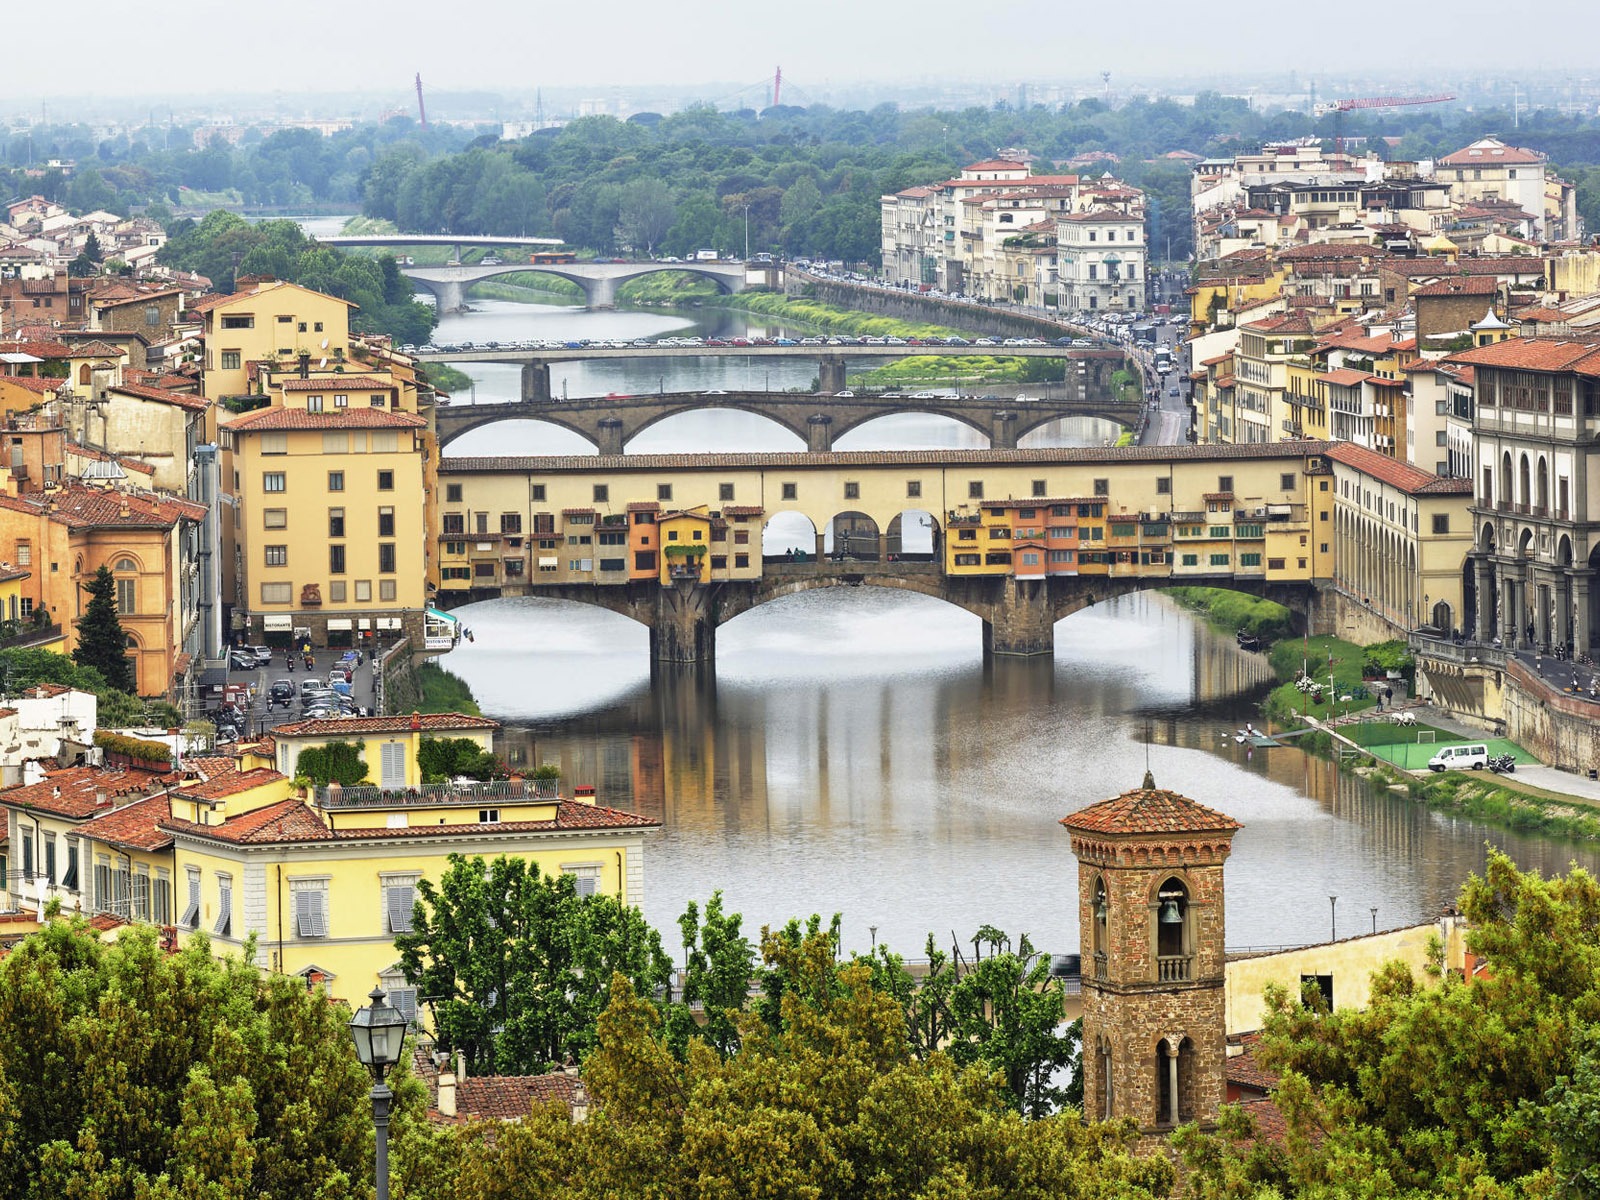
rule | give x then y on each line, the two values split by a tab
1233	612
444	692
1496	800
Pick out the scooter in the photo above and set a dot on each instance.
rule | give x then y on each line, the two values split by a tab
290	664
1503	764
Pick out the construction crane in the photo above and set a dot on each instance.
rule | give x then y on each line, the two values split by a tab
1340	107
422	110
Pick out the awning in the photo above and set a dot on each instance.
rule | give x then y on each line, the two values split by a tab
340	623
363	623
388	622
547	562
281	621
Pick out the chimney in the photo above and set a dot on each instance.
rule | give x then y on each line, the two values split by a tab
305	365
416	721
461	1064
584	793
447	1094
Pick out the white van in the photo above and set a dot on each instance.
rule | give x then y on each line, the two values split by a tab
1460	758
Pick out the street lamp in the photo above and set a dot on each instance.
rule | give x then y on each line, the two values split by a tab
1333	916
746	233
379	1033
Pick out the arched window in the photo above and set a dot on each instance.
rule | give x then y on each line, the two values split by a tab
1174	1081
1525	490
1505	479
84	377
1100	915
1544	487
127	586
1174	953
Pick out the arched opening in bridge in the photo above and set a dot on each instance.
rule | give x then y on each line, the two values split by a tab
1070	431
852	537
789	536
911	431
715	430
498	438
543	286
913	536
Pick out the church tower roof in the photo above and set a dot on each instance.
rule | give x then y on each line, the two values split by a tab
1149	810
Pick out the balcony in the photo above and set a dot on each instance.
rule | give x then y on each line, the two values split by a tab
1100	966
464	795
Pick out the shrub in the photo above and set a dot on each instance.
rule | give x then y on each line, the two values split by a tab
337	762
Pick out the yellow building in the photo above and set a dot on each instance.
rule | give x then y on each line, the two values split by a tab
268	321
324	878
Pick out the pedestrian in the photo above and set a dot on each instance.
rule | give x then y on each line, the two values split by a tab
1388	695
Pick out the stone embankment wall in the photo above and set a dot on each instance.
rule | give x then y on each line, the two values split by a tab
398	690
1560	730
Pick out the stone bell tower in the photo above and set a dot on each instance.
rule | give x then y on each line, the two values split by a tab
1150	916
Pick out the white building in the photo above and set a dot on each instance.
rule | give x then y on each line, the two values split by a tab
1101	260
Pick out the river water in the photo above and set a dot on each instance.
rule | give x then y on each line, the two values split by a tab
852	752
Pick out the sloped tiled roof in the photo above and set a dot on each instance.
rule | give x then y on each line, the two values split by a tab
427	722
73	791
135	826
227	783
286	821
1396	473
338	383
273	419
1581	355
163	396
1149	809
1459	285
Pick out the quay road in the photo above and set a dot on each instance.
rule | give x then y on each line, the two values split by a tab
508	354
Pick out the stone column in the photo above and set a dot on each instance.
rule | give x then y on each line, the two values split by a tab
1172	1082
819	433
611	435
830	375
1021	621
822	538
683	630
1581	631
1483	615
1003	435
599	293
536	383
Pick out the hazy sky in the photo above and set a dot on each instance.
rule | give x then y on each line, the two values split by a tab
513	45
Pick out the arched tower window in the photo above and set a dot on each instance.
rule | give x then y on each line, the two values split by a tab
127	586
1174	953
1100	913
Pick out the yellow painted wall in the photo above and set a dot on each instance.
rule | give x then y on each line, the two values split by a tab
371	747
277	312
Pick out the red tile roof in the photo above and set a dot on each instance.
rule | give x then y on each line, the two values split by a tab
1460	285
1396	473
996	164
286	821
338	383
272	419
73	792
37	384
127	464
86	508
135	826
163	396
427	722
293	820
1492	151
1345	377
227	783
1149	810
1537	354
512	1097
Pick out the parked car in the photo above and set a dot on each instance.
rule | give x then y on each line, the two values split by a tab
242	660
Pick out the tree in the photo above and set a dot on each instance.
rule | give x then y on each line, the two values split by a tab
519	962
645	214
335	762
719	964
440	759
829	1103
101	642
126	1070
1443	1086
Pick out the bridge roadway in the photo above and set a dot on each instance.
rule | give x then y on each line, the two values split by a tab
825	353
611	422
599	281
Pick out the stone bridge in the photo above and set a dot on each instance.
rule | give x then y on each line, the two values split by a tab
1018	615
611	422
599	281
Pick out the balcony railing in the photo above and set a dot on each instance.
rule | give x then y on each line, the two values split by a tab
1174	968
1101	970
501	791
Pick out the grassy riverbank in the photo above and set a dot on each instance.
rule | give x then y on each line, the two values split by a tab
444	692
1496	800
1324	657
1235	611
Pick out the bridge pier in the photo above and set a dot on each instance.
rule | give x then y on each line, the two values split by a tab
1022	620
684	630
1003	431
611	436
819	433
599	293
830	375
536	383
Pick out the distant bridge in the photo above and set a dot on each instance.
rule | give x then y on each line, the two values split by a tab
613	421
599	281
433	239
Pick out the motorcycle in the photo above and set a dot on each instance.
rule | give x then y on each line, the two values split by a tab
1503	764
290	664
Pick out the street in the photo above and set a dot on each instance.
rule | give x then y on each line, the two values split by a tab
262	716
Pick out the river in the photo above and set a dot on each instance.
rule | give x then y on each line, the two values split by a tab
853	753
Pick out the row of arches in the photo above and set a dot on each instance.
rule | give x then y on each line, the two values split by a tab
913	535
1525	485
1533	591
1379	564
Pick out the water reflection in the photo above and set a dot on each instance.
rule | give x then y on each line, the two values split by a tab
852	751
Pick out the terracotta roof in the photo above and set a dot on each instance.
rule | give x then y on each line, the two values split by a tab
1545	316
427	722
337	383
1505	264
289	820
127	464
1492	151
37	384
98	349
1288	323
1243	1069
512	1097
162	396
39	349
1344	376
742	510
227	783
135	826
1396	473
996	164
73	791
1149	810
1459	285
1537	354
85	507
272	419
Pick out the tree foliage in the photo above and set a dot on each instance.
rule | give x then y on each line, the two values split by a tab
516	964
23	667
102	645
829	1103
1483	1088
439	759
126	1071
335	762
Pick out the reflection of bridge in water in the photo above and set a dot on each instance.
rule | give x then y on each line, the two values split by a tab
612	422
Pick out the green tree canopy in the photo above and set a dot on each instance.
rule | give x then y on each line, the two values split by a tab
127	1071
518	964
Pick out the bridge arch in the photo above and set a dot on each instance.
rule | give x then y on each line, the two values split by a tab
914	533
733	402
966	420
853	536
490	417
788	530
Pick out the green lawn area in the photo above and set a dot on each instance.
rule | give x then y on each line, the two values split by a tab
1286	702
1402	746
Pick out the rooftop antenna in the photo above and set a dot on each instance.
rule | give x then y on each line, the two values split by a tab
422	109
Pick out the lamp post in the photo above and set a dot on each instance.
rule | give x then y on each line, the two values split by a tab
873	930
379	1033
1374	919
1333	917
746	233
